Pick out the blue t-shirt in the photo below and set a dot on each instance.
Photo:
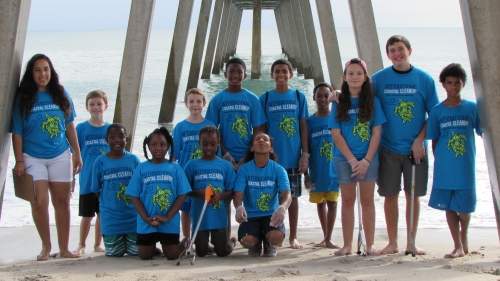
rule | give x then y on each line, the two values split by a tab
321	147
44	129
186	140
406	99
110	178
236	114
356	134
158	186
261	187
220	175
92	141
455	151
284	112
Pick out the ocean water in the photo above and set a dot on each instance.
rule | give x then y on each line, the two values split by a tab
92	60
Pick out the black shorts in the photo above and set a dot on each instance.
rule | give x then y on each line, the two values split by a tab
258	227
88	205
295	179
150	239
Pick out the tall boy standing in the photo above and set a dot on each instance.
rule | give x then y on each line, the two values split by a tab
407	94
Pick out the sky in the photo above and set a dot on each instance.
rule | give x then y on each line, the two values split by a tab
90	15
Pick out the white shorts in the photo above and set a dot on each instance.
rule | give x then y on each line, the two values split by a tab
57	169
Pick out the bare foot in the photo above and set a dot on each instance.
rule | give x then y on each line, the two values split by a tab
98	249
418	251
457	253
372	252
294	244
389	250
327	244
44	255
344	251
68	255
80	251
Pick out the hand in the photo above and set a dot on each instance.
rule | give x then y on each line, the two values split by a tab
241	214
304	162
215	198
152	221
361	168
418	150
19	168
77	163
278	217
334	97
161	219
354	164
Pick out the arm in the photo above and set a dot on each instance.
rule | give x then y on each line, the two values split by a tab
17	144
139	207
417	147
75	148
342	146
304	140
363	165
173	210
279	214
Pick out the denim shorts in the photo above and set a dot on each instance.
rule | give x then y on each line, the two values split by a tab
344	171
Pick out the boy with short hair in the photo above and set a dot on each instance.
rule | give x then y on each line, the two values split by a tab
286	113
92	141
451	128
407	95
236	112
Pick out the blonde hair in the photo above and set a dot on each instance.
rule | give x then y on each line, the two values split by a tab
96	94
194	91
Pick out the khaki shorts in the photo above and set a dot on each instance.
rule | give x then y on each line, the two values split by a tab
320	197
392	165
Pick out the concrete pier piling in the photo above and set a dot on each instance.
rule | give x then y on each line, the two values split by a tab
312	42
223	30
256	39
303	53
212	39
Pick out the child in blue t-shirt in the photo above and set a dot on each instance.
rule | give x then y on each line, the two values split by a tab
212	171
187	143
158	189
286	113
356	123
261	198
237	114
451	128
92	141
322	179
110	176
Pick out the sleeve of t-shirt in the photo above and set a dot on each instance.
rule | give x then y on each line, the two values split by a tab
431	98
378	113
135	183
332	119
183	186
282	179
71	117
229	178
17	119
258	118
177	141
240	181
432	126
303	110
212	111
95	186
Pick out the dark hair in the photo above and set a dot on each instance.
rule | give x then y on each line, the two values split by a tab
159	131
26	92
236	60
395	39
116	126
251	155
453	70
366	100
281	61
209	130
320	85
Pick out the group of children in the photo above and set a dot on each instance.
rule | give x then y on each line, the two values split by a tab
254	150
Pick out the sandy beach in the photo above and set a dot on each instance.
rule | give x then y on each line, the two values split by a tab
20	245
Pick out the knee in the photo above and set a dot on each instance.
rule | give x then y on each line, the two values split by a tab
223	251
348	201
275	237
249	241
201	251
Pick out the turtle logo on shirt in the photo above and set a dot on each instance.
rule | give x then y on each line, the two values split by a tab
456	144
161	198
326	150
263	202
196	154
287	125
51	126
240	127
120	194
404	110
362	131
216	189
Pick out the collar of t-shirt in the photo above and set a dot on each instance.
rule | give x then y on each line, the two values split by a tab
403	72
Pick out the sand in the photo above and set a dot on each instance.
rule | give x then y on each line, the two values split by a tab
19	245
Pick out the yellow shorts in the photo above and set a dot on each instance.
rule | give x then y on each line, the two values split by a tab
320	197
